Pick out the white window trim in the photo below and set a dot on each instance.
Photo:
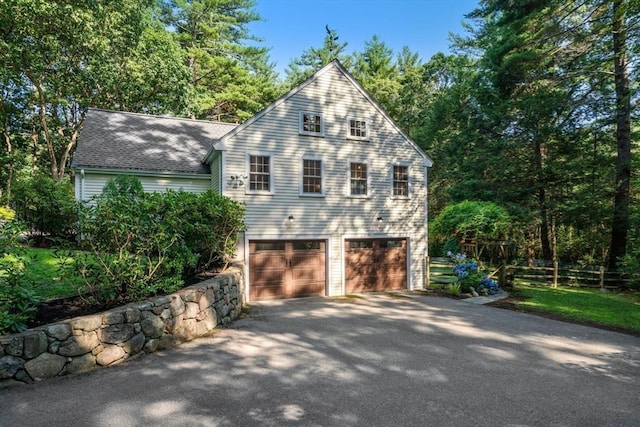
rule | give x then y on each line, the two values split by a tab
367	129
322	177
300	124
409	189
248	173
359	196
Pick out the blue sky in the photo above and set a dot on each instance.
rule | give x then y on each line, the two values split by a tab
292	26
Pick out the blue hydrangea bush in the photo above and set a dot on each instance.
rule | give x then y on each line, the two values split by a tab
468	275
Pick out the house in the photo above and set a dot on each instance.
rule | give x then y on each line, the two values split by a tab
335	192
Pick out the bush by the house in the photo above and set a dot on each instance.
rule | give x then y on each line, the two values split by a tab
46	206
143	244
18	300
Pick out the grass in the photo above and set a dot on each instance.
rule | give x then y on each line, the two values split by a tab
43	272
591	306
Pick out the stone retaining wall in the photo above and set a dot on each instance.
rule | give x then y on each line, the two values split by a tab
88	342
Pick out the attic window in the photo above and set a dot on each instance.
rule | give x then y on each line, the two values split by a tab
357	129
311	124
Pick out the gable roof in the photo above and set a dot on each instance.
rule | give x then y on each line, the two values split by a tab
221	143
131	141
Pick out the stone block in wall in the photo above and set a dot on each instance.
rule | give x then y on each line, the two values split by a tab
161	300
87	323
134	345
206	299
22	376
132	315
192	310
46	365
80	343
190	295
151	345
97	350
114	334
83	363
186	331
13	345
113	317
176	305
152	326
35	343
59	331
9	365
141	305
110	355
167	341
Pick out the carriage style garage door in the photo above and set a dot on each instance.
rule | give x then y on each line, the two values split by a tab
375	265
283	269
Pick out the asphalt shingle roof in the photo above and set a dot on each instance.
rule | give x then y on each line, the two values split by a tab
120	140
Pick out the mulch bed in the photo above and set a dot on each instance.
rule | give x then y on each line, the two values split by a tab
66	308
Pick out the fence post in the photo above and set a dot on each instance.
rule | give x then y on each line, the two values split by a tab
427	271
601	277
555	274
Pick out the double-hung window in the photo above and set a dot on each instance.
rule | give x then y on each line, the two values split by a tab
357	129
358	179
312	176
400	181
260	173
311	124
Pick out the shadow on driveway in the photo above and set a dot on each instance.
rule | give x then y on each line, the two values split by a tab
376	360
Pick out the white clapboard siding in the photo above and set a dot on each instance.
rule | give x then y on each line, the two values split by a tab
336	215
93	182
215	173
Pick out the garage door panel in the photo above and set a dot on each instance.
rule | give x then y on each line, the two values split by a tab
375	265
282	269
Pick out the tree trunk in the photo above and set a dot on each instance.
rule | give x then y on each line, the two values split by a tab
7	188
620	225
545	243
42	115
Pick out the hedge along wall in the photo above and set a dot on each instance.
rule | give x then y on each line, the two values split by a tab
88	342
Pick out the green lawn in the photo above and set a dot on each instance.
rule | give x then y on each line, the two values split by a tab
608	309
42	271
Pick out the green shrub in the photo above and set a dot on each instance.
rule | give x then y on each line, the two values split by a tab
454	289
6	213
143	244
47	206
18	299
209	223
471	219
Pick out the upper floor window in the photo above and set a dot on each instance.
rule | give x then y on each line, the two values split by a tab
312	177
311	124
358	179
358	129
400	181
260	174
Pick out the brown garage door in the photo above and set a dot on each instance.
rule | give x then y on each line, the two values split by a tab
284	269
375	265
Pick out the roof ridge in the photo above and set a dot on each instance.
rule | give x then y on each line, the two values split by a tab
156	116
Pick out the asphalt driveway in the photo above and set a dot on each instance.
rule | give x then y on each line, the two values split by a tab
372	361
